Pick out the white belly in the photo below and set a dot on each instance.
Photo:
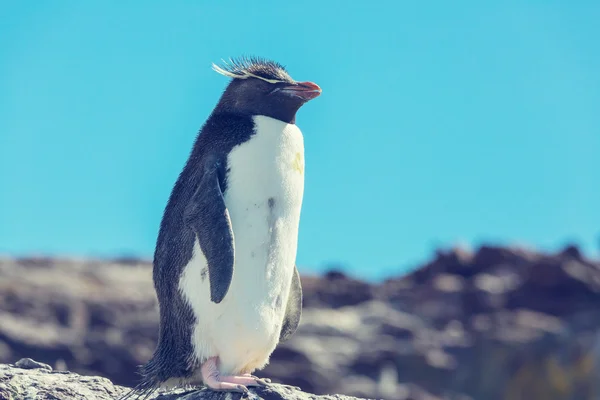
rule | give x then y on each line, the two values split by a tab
265	186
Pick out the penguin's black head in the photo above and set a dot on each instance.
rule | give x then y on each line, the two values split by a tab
262	87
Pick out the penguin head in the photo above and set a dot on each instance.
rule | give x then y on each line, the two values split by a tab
263	87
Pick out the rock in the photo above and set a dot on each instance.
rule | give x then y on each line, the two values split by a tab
28	363
24	383
271	392
335	290
31	384
467	325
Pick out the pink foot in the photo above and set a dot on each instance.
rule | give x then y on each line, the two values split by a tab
267	380
213	379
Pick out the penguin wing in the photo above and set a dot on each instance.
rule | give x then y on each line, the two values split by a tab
293	310
208	217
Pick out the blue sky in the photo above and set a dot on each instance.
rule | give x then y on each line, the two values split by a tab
440	122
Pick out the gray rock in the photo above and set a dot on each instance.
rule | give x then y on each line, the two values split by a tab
31	382
28	363
18	383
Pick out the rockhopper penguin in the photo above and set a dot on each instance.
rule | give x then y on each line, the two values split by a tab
224	267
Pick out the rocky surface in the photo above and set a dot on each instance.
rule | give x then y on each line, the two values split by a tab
497	323
29	379
26	381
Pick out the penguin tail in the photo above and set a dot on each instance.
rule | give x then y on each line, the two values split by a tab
148	384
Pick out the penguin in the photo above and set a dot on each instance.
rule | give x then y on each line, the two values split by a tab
224	268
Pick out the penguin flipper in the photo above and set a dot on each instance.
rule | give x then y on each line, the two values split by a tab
293	310
208	217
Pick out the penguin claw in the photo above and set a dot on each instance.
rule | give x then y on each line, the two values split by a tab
263	382
242	389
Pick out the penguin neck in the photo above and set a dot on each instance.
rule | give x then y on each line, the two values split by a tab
279	115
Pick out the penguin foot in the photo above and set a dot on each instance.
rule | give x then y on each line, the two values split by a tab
213	379
244	380
265	380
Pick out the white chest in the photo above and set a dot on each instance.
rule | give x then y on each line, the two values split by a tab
269	165
265	186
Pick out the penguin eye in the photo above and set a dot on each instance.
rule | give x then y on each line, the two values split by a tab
276	87
280	85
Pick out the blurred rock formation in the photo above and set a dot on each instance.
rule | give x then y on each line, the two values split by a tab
494	324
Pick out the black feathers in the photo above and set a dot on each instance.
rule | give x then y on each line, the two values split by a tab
207	215
293	311
257	67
